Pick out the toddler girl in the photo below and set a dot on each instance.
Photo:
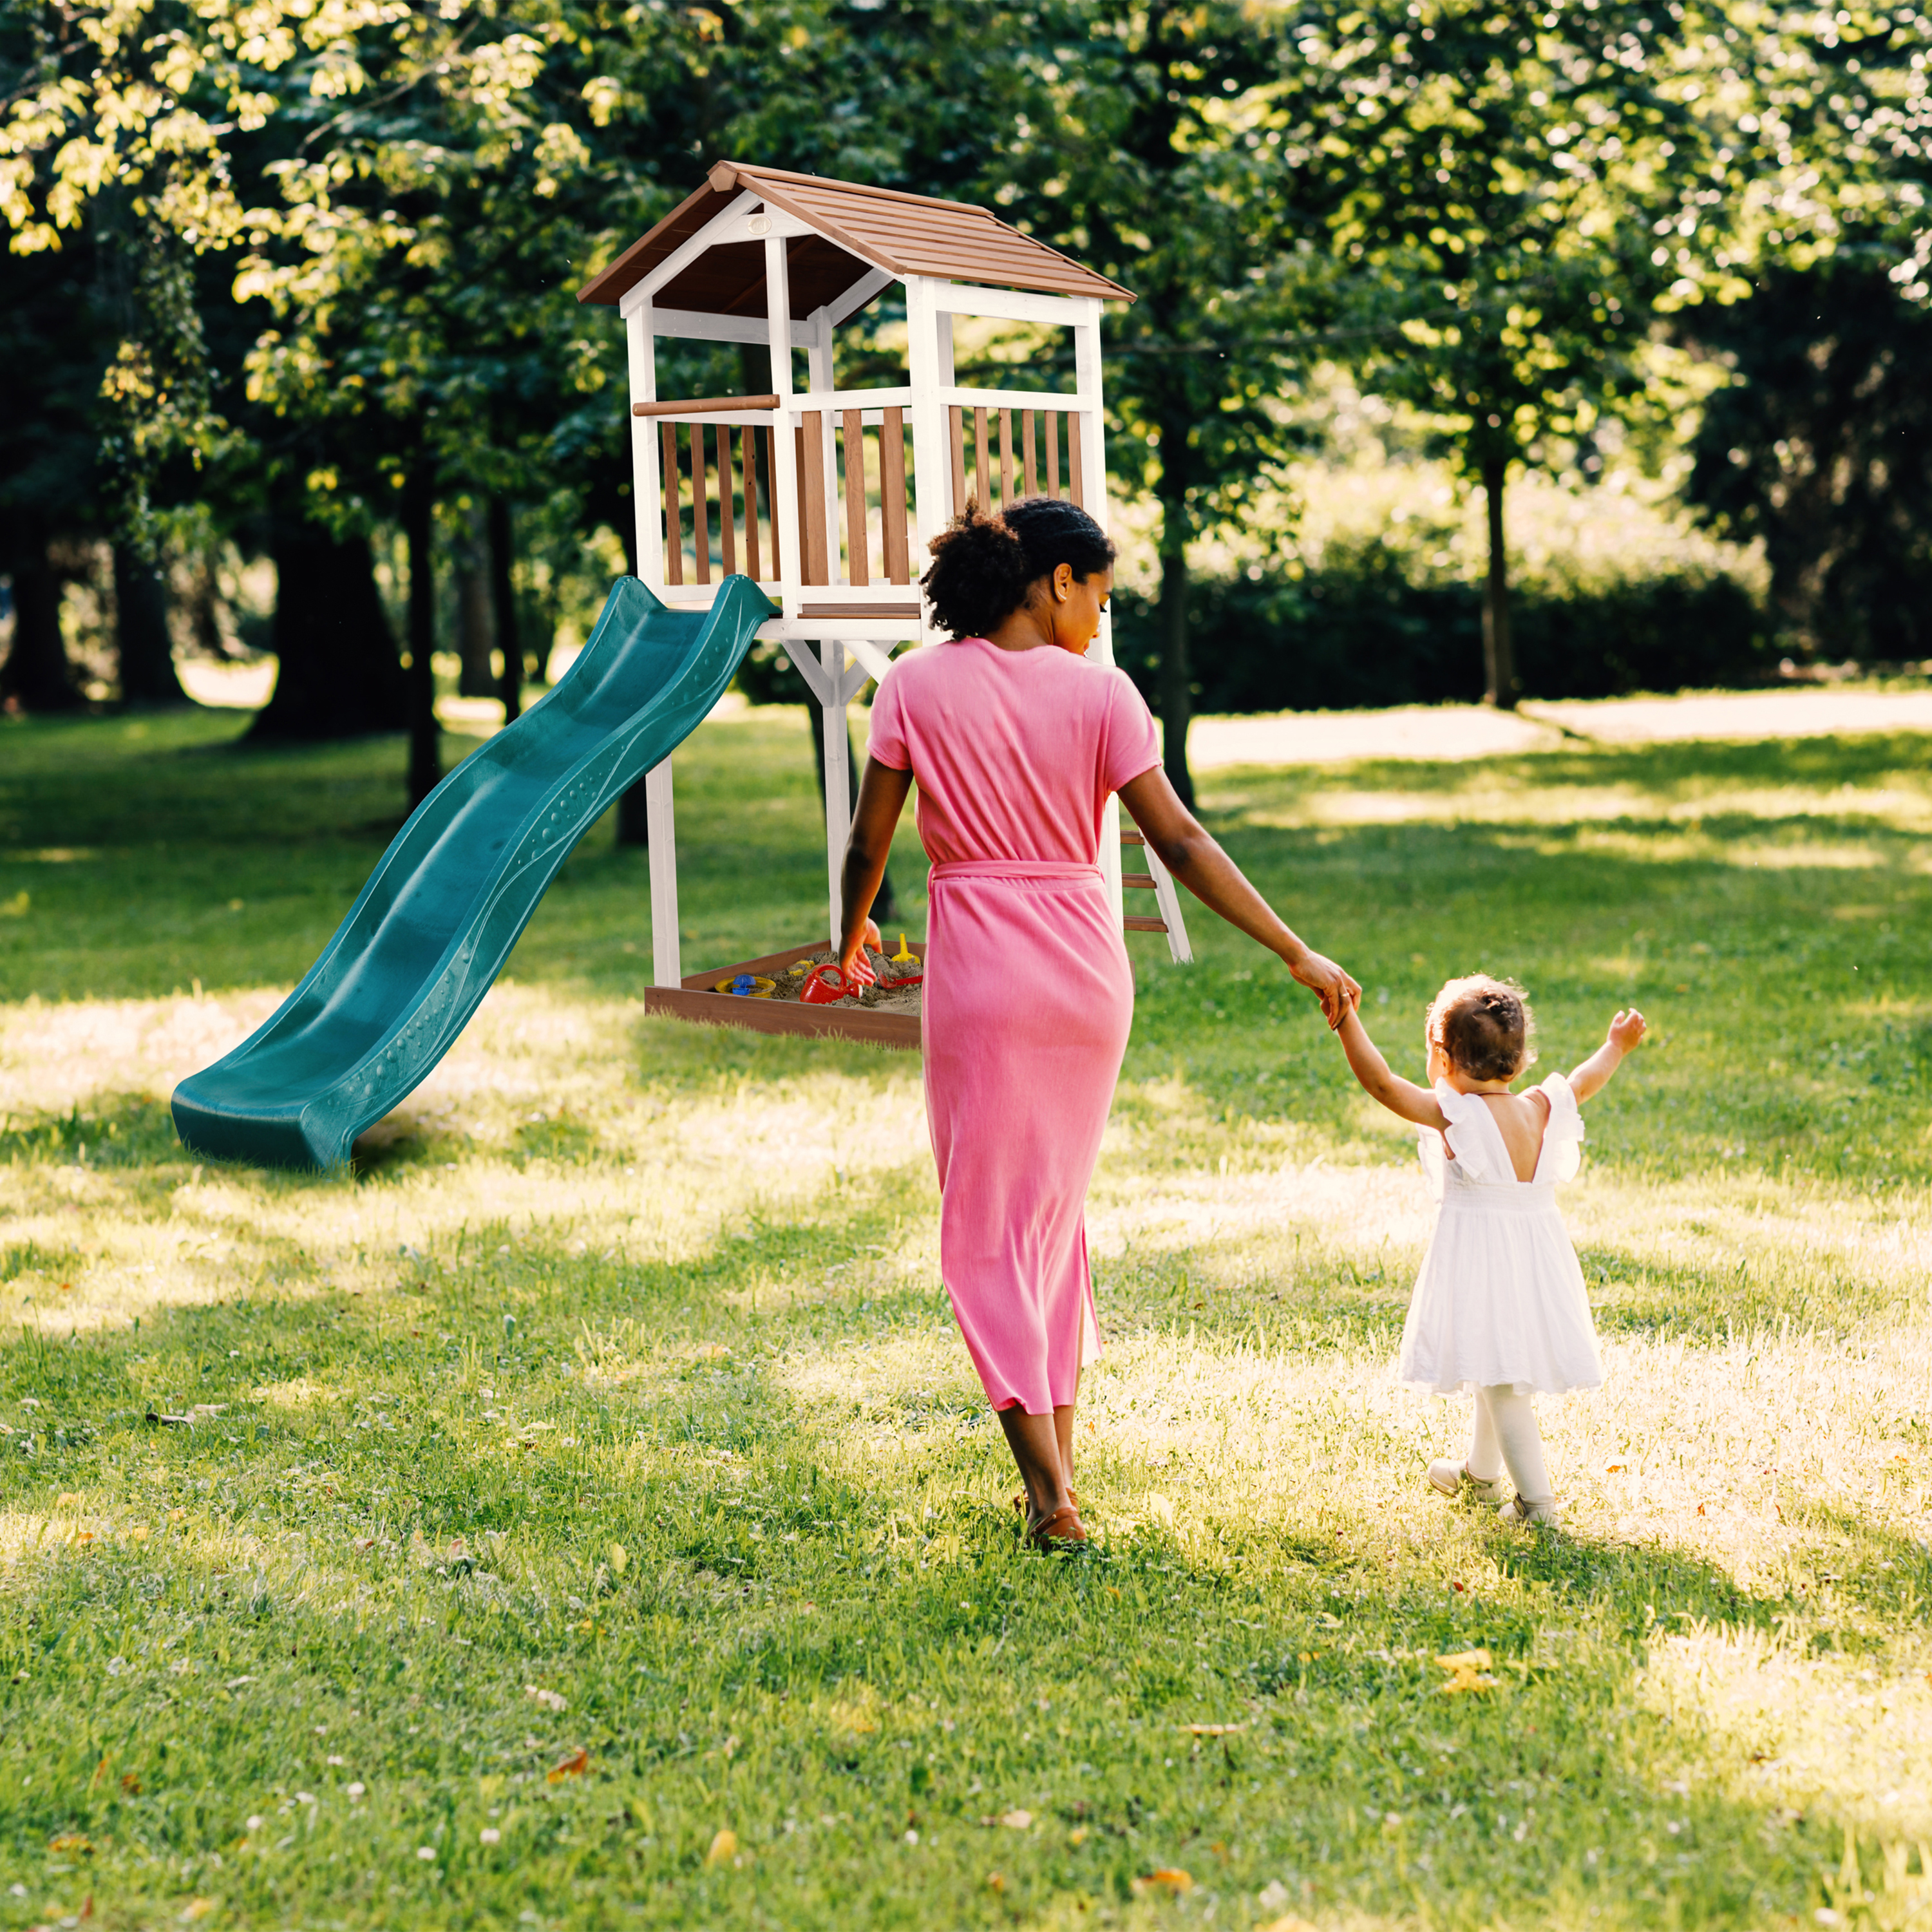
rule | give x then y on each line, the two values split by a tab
1499	1307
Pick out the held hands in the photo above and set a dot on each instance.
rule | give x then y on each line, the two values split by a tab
1627	1029
854	964
1337	991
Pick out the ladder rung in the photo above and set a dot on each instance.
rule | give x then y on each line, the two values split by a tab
1144	924
1143	880
1132	838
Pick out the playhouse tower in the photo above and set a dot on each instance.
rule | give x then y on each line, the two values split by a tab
826	497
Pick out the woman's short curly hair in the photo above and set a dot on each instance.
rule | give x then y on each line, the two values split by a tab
984	568
1484	1027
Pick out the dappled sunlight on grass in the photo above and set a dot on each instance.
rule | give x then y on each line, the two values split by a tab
596	1467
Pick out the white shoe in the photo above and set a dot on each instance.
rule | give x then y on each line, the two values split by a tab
1517	1509
1451	1478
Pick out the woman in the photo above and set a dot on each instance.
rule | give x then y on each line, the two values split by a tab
1016	743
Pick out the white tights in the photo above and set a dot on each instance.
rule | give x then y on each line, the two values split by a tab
1506	1436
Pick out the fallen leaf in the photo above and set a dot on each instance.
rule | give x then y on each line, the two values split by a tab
1079	1836
66	1499
1212	1730
196	1908
1017	1821
1469	1670
1288	1922
177	1515
995	1881
1169	1878
130	1784
619	1558
572	1767
70	1841
724	1848
551	1700
139	1533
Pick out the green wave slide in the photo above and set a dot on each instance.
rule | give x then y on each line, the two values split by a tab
432	928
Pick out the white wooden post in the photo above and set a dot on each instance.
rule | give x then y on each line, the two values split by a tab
659	823
1087	426
647	478
818	364
838	788
928	367
784	455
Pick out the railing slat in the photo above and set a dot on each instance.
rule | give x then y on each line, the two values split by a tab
700	505
1076	486
673	522
982	463
956	424
893	497
771	499
751	466
1006	459
727	507
811	497
1052	419
1027	439
858	541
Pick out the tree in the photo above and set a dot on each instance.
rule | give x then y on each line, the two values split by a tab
1821	446
1143	152
1513	193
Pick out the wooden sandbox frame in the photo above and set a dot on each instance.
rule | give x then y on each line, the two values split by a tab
761	257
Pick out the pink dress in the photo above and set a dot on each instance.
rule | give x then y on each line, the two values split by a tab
1028	993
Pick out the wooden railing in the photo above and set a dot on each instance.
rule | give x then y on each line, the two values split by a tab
1039	430
853	524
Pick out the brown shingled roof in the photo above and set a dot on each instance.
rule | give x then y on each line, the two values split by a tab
858	229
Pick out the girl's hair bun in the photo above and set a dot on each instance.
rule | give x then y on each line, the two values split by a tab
984	568
1484	1027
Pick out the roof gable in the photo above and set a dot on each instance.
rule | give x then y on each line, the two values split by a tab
858	230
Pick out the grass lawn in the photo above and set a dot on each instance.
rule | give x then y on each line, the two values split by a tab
585	1514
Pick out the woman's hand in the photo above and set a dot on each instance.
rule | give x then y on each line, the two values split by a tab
1337	991
854	964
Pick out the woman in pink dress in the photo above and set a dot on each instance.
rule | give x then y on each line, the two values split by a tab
1016	741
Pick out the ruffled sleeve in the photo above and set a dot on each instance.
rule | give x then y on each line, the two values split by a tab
1563	1138
1474	1137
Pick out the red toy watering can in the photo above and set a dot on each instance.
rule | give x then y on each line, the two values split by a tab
825	985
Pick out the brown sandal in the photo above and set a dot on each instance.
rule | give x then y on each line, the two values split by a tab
1020	1499
1062	1529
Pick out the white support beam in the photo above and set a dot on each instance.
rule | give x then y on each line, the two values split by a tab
929	363
784	455
688	325
818	365
661	828
838	784
681	258
874	660
1087	426
646	469
1010	305
861	293
1017	399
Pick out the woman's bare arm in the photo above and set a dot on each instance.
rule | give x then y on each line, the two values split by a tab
882	797
1187	850
1401	1097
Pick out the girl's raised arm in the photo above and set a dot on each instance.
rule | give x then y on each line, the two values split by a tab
1402	1098
1594	1076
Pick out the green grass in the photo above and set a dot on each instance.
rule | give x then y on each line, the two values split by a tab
619	1372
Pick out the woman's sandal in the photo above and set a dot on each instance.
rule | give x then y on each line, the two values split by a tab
1063	1529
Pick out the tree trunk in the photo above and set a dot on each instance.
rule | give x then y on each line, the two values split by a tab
425	746
37	676
885	902
141	629
338	674
475	632
1498	653
503	596
1176	695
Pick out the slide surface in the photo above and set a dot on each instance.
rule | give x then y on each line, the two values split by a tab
432	928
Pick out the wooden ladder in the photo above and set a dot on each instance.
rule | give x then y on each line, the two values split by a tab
1159	881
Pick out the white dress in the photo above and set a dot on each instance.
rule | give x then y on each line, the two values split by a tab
1500	1297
